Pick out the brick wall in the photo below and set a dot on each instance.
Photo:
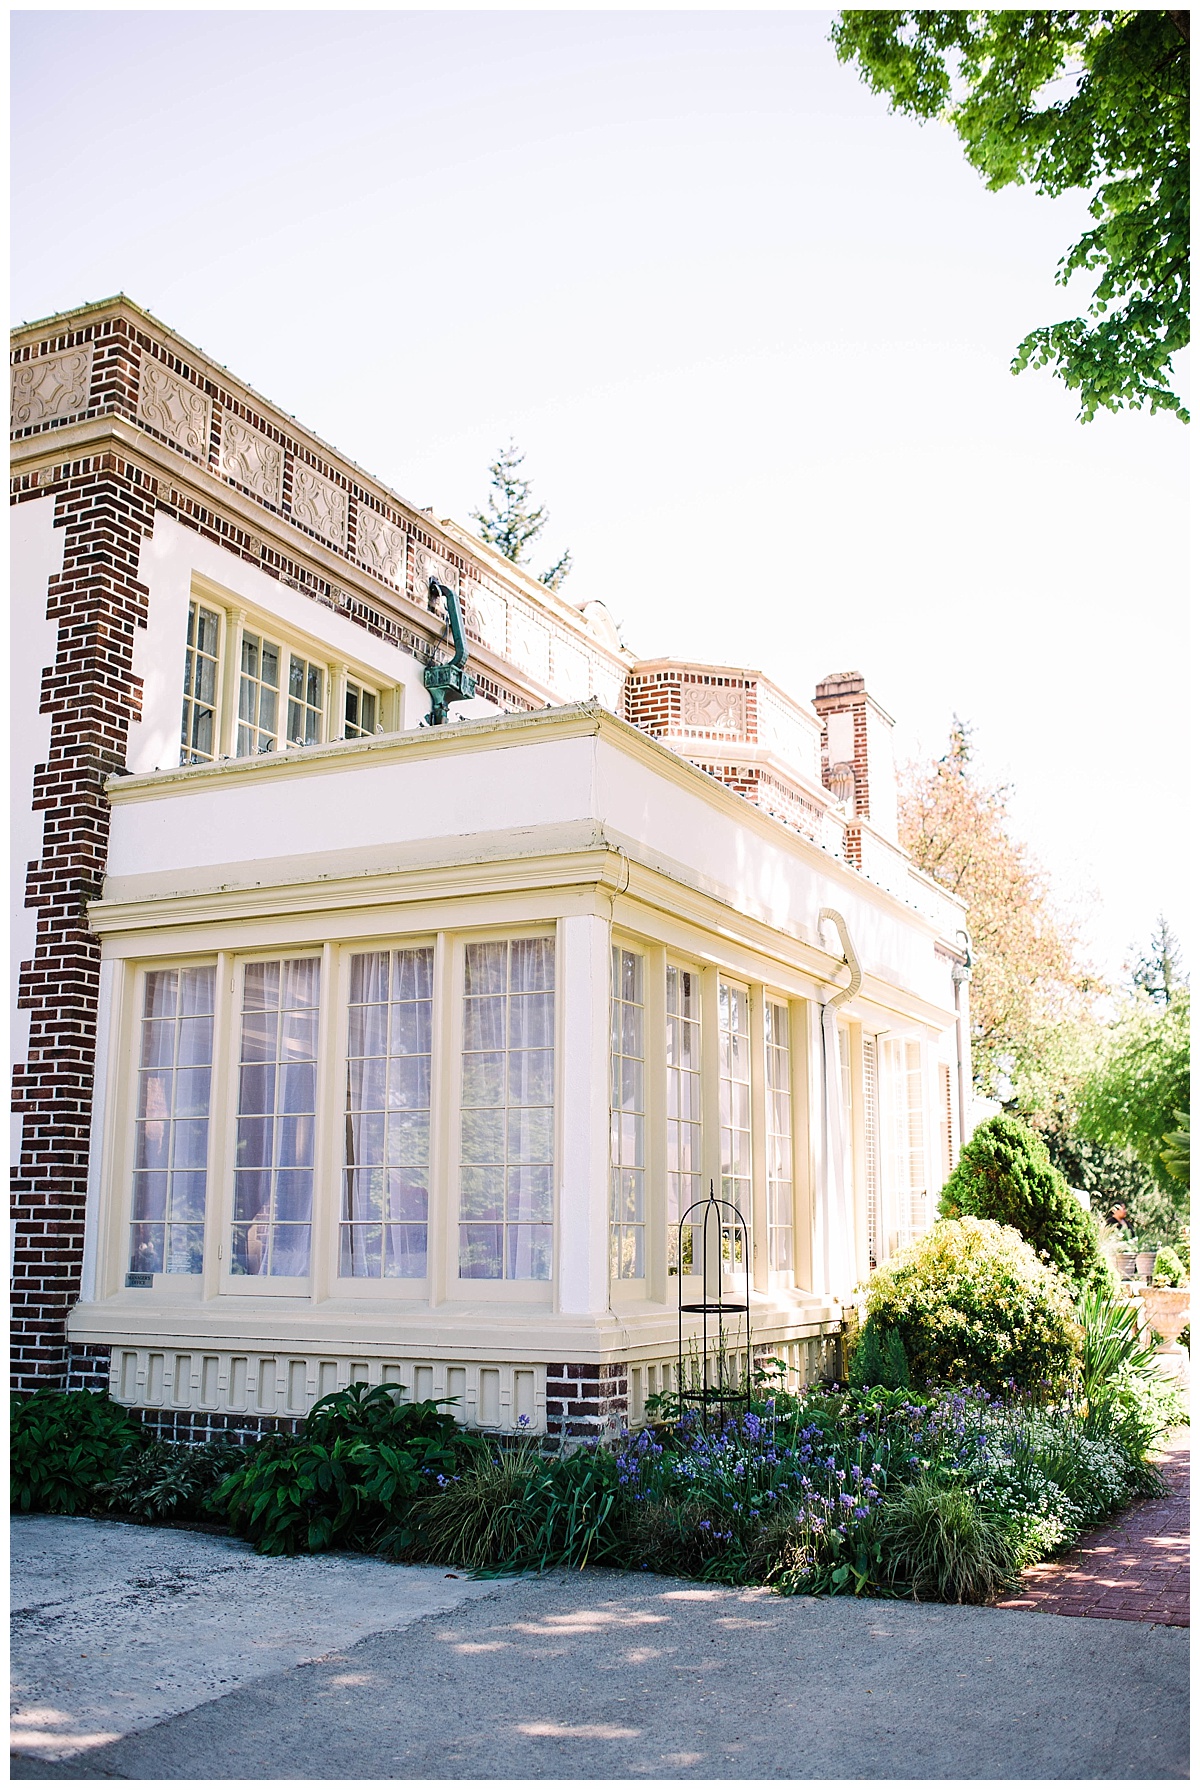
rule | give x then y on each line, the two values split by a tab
585	1402
91	694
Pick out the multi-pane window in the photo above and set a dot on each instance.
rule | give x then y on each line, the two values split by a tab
906	1192
871	1131
385	1193
361	709
627	1210
276	1127
684	1159
306	702
171	1142
507	1135
198	732
258	696
779	1137
733	1026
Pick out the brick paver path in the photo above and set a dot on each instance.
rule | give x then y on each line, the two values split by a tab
1134	1569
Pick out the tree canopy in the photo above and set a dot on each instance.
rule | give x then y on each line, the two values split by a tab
511	521
1029	991
1138	1096
1059	100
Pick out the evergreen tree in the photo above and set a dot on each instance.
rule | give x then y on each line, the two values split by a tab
1005	1174
511	521
1159	970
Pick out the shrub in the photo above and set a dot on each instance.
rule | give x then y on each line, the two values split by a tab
938	1539
1005	1174
65	1448
1111	1345
879	1359
171	1481
348	1478
1169	1270
973	1304
513	1510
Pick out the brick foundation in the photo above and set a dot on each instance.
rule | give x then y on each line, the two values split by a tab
585	1402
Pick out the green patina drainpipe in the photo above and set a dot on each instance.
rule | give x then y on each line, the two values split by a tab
451	682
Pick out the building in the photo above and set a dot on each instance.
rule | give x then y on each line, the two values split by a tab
355	1048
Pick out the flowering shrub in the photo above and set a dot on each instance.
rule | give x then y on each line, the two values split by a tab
972	1303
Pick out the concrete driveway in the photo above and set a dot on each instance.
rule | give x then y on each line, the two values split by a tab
344	1668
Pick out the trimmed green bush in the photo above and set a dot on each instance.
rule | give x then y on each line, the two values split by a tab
170	1481
65	1447
973	1304
879	1359
1169	1270
1005	1174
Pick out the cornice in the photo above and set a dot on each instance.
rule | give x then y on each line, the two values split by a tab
572	721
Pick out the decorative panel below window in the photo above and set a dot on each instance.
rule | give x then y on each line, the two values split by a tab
385	1188
276	1128
506	1202
171	1142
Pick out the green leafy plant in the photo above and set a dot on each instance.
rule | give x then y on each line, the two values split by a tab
170	1481
1111	1343
349	1477
974	1304
1005	1173
65	1447
514	1510
936	1538
1169	1270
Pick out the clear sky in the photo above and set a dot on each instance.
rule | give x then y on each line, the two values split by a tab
752	332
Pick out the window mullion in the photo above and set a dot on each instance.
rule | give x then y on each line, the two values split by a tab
231	671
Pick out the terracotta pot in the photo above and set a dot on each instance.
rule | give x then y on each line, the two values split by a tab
1167	1310
1126	1263
1146	1259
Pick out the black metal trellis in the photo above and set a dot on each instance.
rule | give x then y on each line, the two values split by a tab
723	1234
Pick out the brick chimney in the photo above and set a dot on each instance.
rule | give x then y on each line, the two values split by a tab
858	764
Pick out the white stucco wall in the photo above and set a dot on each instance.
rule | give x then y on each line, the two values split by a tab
169	558
37	553
511	787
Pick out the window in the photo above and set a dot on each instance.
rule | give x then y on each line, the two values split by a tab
258	697
779	1138
306	702
733	1028
385	1192
627	1212
684	1159
362	706
277	1104
198	733
871	1129
507	1132
171	1128
905	1190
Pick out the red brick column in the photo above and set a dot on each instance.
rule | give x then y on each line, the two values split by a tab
91	694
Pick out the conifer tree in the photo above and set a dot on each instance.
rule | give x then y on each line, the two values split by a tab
511	522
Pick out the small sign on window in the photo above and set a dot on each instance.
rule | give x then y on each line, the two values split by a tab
139	1280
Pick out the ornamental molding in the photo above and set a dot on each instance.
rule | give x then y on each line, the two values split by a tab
427	565
381	545
319	504
253	460
488	611
51	387
176	408
529	644
714	708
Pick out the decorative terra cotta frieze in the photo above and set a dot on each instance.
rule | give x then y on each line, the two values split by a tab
319	504
51	387
175	407
252	460
714	708
381	545
427	565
